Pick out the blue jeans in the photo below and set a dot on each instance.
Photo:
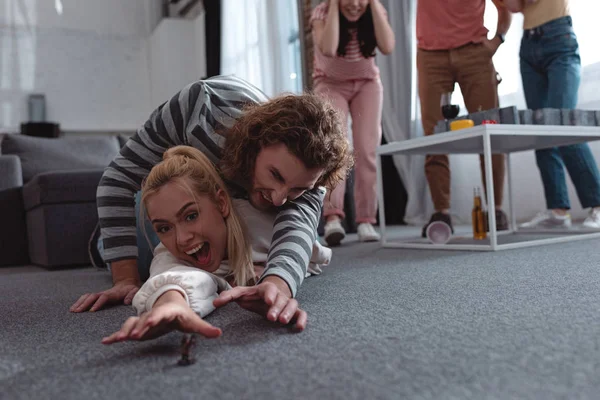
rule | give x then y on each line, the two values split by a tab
146	241
551	73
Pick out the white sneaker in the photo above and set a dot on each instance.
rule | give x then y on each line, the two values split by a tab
548	219
366	233
313	269
321	256
593	220
334	232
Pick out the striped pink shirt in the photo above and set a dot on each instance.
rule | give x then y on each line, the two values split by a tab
352	66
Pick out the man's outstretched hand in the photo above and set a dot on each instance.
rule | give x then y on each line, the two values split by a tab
120	293
270	298
126	282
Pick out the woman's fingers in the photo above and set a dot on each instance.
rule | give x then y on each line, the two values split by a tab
145	323
122	333
127	327
200	326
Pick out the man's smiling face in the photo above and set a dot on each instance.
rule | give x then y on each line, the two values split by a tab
280	176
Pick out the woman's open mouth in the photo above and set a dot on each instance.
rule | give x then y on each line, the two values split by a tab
201	253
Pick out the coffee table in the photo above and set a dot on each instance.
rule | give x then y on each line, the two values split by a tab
488	140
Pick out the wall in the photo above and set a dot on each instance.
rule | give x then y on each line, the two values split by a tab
94	61
177	56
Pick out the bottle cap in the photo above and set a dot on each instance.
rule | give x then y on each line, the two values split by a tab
461	124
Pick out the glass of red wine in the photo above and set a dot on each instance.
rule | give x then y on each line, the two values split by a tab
449	110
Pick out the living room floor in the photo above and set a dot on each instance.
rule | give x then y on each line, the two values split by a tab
383	324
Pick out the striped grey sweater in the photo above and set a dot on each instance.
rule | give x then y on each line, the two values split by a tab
197	116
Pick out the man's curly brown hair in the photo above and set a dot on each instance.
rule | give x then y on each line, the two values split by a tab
307	124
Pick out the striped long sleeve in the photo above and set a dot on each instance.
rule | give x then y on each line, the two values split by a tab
198	116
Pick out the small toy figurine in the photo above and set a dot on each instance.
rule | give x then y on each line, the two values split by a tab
187	343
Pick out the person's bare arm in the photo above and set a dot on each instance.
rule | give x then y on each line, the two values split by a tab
514	6
504	17
326	34
384	35
504	21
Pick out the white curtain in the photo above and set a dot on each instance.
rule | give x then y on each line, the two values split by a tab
259	43
401	100
400	111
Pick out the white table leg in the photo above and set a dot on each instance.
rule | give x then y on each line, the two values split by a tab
489	183
381	201
511	197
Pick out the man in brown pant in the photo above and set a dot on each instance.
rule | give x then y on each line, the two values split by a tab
453	48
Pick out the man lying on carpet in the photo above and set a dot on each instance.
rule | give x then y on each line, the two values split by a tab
278	153
208	243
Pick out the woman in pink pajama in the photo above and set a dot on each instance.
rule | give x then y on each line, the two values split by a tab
346	34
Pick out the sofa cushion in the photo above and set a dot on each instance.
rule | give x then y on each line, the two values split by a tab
60	187
10	172
45	155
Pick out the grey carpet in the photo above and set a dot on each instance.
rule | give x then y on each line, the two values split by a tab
383	324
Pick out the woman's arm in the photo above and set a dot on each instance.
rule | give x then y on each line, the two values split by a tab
170	312
197	287
176	297
384	35
326	34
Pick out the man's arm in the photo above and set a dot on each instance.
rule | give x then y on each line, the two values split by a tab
504	16
504	20
122	179
294	232
514	6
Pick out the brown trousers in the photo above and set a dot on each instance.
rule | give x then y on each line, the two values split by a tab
472	68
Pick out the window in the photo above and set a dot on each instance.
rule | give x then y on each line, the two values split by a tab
261	44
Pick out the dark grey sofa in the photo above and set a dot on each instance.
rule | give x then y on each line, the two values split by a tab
48	193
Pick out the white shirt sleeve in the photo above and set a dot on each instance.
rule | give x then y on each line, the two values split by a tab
198	287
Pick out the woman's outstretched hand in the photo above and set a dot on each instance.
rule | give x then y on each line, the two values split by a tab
161	320
270	298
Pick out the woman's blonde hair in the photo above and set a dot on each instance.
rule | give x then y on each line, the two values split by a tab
181	162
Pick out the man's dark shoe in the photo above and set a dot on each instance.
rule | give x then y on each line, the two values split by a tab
501	221
438	216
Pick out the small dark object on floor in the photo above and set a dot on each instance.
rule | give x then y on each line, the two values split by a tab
187	344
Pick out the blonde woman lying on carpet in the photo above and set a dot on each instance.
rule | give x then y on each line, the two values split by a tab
203	250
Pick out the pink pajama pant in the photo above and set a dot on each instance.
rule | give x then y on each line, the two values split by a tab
363	100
